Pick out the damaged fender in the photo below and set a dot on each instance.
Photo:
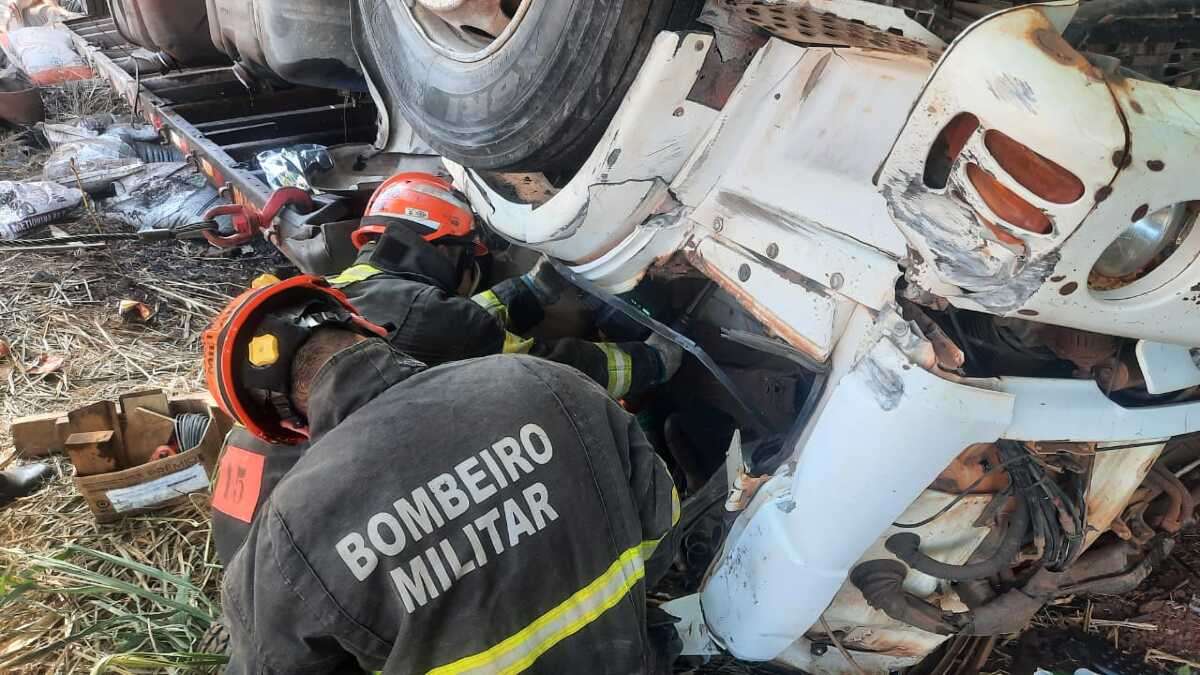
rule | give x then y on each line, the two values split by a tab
1021	163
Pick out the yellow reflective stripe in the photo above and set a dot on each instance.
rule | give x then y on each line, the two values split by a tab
518	652
676	509
620	369
491	303
649	547
354	275
515	344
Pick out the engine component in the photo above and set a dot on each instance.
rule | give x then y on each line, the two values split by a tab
907	547
1106	570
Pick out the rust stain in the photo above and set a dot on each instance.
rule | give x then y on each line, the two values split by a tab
971	466
1068	288
1103	193
1053	44
1027	312
888	644
752	305
1141	212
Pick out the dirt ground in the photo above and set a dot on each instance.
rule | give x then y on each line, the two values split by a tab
78	597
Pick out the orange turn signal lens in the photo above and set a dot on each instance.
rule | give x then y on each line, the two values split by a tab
1034	172
1007	204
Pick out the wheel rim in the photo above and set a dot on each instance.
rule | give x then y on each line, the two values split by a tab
467	30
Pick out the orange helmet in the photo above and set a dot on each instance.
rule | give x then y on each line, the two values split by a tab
420	198
249	347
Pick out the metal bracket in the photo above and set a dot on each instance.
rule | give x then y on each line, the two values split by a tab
248	220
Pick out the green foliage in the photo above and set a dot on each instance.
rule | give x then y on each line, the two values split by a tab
152	626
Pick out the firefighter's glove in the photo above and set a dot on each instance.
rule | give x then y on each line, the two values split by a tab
670	356
545	282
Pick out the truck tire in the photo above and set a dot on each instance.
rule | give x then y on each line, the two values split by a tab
538	102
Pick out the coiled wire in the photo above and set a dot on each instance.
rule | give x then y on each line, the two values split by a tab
190	429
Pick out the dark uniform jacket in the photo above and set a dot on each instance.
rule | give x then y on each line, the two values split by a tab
404	284
489	515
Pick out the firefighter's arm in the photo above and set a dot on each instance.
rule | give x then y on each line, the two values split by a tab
513	304
655	498
273	628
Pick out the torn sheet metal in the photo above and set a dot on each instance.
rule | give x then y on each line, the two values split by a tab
1052	161
625	180
1116	475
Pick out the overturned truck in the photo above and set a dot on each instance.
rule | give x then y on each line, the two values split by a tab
939	279
978	261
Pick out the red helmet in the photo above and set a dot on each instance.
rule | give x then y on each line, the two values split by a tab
249	347
420	198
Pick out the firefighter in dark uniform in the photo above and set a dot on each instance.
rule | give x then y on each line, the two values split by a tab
491	515
417	246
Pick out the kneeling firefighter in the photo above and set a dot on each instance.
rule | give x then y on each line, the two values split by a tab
499	514
417	250
417	245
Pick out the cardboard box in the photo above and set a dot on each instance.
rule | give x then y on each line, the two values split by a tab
140	486
38	435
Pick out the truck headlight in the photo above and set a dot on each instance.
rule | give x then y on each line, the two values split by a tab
1142	242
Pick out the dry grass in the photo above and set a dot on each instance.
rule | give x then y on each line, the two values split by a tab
66	306
73	593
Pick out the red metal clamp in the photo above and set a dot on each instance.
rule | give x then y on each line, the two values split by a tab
249	221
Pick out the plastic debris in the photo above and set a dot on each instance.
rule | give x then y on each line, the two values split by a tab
87	127
46	54
289	167
143	140
132	310
27	206
92	164
161	196
47	364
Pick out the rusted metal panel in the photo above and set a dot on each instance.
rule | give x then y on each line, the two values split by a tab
1116	475
813	318
850	23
